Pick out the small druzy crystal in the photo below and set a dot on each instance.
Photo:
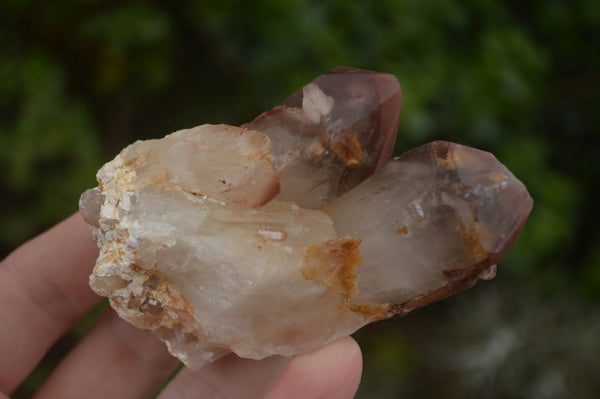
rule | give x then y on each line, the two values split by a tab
271	238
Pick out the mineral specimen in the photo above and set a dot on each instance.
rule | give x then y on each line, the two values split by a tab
270	238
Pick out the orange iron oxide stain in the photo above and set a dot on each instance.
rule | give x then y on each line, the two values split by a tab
401	230
348	149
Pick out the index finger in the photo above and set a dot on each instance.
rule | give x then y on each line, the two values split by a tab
43	292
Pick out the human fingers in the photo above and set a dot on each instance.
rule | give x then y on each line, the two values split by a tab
115	360
43	292
229	377
332	372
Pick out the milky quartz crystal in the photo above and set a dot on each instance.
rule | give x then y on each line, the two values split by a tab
271	238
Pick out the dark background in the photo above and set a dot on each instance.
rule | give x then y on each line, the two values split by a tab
81	79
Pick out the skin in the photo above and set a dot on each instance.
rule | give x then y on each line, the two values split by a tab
44	291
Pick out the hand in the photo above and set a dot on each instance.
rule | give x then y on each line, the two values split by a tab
44	291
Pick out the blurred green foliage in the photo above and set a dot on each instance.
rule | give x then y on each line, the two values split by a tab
80	79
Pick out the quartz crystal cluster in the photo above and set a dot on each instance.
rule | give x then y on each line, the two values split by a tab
295	229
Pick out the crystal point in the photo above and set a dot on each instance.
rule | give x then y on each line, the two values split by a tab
436	218
330	135
280	236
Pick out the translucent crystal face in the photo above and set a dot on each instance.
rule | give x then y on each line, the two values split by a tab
271	238
438	214
333	133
